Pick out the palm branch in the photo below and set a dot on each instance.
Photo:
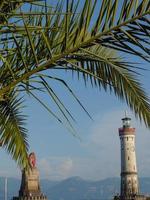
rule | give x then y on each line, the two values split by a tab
87	41
13	135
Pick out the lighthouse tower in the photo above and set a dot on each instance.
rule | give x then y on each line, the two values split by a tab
129	176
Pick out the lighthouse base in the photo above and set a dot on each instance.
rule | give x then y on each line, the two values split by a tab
132	197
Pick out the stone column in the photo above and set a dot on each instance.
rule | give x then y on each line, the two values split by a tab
30	184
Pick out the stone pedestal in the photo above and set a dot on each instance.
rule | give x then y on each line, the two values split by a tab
30	185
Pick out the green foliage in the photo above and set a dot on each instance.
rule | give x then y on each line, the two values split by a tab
84	39
13	133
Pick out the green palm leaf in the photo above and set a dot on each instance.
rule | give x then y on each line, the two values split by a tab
12	132
112	74
72	36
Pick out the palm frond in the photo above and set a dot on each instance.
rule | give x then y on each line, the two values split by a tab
8	8
106	70
67	38
12	132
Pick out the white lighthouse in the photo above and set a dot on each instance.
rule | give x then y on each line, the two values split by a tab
129	176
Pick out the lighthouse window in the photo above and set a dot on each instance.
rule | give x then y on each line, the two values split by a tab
127	138
128	158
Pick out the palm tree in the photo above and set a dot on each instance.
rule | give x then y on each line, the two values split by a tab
84	38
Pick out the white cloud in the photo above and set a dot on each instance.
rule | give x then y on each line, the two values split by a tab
56	167
45	167
66	167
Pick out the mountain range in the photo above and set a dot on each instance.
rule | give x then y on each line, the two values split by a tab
74	188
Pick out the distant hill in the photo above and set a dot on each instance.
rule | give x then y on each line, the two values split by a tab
75	188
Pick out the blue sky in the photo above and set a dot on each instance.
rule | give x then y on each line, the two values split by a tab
97	155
